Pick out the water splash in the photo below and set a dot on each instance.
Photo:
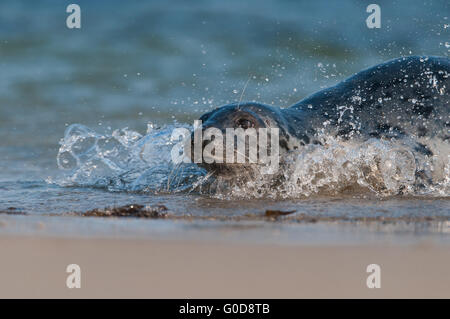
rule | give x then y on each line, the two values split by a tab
125	160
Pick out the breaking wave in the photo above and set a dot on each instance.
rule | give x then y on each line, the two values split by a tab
125	160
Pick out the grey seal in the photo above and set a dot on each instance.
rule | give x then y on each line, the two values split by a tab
407	97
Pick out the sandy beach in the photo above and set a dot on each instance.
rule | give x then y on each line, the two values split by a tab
35	267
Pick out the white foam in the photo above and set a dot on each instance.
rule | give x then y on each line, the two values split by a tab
125	160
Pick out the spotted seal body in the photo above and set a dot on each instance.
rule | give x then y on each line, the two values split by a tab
404	97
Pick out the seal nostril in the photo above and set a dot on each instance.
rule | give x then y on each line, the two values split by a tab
244	123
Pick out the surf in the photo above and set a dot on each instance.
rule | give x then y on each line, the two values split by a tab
124	160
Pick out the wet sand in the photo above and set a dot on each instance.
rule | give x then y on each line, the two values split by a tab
34	266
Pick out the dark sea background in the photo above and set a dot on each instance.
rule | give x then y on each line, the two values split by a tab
163	62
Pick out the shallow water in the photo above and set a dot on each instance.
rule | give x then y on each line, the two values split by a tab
144	62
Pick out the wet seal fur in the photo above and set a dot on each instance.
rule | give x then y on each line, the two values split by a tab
406	97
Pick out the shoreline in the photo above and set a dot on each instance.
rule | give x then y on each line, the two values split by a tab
265	231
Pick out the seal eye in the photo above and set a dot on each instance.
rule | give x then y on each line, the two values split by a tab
244	123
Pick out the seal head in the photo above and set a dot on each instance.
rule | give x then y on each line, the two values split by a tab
245	116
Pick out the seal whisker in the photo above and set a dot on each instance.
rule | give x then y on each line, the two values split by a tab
243	154
201	181
173	172
243	91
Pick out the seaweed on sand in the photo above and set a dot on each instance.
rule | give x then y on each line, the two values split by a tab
133	210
